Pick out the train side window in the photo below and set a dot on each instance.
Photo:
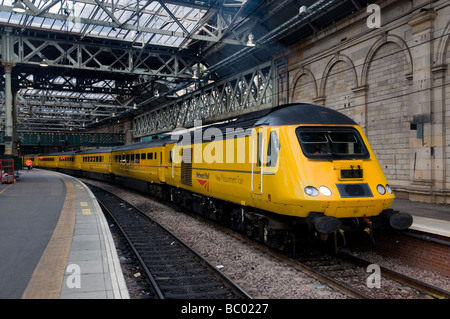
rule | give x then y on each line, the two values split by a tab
143	156
156	154
150	156
273	149
138	158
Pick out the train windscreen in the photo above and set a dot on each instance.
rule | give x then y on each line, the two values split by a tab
331	143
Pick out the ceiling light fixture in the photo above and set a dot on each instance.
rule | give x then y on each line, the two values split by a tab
18	7
250	42
43	62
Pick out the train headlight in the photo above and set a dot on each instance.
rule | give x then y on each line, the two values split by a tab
325	191
311	191
381	189
389	189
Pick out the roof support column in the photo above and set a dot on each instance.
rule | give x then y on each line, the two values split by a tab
8	65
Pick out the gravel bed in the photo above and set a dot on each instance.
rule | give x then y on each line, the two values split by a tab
259	274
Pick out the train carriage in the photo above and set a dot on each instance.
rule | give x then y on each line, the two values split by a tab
49	161
96	163
66	162
140	165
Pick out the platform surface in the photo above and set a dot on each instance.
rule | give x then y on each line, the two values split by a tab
429	218
55	242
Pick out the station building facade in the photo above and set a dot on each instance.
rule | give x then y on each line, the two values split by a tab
392	79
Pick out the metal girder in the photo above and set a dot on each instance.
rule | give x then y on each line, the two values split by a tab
250	90
29	50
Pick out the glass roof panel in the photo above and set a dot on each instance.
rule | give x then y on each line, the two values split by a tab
107	18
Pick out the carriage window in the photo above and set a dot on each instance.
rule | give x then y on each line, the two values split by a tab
331	143
143	156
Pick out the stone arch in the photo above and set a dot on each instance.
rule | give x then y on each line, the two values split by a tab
441	54
374	49
337	84
310	86
334	60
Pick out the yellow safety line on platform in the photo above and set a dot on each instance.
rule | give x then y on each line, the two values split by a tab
6	188
47	278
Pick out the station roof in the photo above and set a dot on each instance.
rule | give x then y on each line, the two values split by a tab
112	58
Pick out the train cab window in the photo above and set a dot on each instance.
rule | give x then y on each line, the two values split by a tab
331	143
273	149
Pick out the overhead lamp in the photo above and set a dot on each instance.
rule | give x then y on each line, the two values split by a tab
194	74
18	7
303	11
44	62
250	42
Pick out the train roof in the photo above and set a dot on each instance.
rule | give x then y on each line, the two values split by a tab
302	113
59	154
140	145
97	150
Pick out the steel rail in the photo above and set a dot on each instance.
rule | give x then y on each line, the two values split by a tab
136	253
235	289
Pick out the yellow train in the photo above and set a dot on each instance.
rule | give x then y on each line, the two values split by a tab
273	174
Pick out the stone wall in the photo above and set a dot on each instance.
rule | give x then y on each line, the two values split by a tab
393	80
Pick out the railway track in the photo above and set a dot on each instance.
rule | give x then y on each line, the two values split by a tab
174	270
349	274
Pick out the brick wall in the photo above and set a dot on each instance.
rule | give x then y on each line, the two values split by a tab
415	252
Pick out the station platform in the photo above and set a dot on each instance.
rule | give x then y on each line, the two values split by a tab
428	218
55	242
